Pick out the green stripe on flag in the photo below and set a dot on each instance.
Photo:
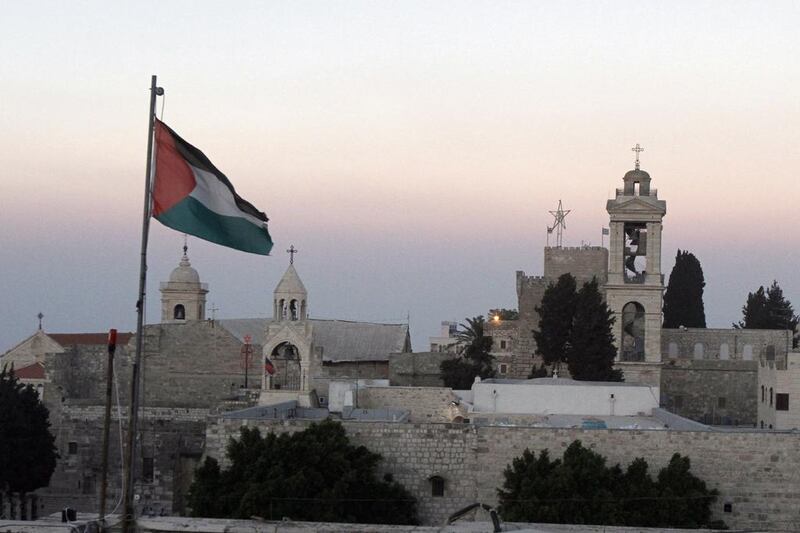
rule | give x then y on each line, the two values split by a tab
192	217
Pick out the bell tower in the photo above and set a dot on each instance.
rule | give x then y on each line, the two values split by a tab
183	297
635	284
289	365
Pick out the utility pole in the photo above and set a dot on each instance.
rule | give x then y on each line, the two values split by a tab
112	347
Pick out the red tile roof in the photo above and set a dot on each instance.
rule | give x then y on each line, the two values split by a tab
68	339
34	371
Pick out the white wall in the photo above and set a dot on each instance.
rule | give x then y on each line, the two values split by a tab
564	396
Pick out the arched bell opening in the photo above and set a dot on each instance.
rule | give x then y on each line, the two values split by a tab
632	332
285	358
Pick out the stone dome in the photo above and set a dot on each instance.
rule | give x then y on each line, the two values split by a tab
184	273
636	175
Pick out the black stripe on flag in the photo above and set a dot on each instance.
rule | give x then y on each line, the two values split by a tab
197	158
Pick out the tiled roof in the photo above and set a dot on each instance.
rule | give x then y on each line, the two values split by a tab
34	371
69	339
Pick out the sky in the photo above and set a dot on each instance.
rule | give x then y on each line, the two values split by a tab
411	151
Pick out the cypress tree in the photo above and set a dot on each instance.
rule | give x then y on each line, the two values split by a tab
683	300
769	310
555	320
591	351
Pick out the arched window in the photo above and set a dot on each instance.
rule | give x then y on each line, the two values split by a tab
633	332
699	350
303	311
285	359
179	313
747	352
763	394
770	352
673	349
437	486
293	310
770	396
724	352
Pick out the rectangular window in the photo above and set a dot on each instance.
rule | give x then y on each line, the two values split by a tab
503	368
72	448
782	401
147	469
502	345
721	401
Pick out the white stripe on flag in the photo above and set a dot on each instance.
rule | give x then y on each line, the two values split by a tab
213	194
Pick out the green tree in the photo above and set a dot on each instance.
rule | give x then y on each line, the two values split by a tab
590	349
769	310
685	499
581	489
683	299
27	448
556	314
314	475
474	358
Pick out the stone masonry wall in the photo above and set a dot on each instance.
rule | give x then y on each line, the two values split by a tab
418	369
426	404
583	263
172	437
757	473
712	392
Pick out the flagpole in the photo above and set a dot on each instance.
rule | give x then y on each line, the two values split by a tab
133	413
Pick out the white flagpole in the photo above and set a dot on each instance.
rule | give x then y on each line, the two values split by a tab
133	413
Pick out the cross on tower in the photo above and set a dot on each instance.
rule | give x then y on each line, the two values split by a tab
40	316
637	149
291	251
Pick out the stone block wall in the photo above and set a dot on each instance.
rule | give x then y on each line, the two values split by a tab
712	392
722	344
758	474
173	438
426	404
419	369
584	263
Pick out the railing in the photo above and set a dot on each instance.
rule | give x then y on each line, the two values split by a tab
632	355
653	193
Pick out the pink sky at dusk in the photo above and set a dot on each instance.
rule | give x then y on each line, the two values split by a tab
410	150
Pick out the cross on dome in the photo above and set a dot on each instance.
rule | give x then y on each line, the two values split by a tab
638	149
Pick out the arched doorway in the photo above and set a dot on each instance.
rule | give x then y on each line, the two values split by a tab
286	360
633	332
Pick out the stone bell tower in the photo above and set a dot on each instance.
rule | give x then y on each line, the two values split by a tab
635	284
183	297
287	343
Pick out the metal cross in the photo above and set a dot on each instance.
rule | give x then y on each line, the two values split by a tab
291	251
185	244
40	316
213	310
637	149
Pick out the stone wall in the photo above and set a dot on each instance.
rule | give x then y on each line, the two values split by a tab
426	404
723	344
758	474
584	263
172	437
419	369
712	392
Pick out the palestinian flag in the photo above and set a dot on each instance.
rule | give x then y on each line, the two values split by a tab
192	196
268	366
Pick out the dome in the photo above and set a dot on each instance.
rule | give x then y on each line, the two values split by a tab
184	273
636	175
